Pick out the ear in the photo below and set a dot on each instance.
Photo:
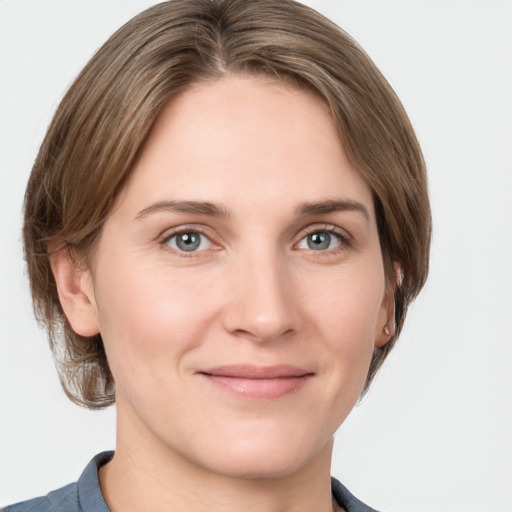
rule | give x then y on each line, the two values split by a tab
386	323
76	293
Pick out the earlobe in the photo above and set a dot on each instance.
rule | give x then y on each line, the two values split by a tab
386	328
76	294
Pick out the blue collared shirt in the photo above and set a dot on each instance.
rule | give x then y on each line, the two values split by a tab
85	495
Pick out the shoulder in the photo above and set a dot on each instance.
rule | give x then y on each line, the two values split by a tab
61	500
347	500
83	495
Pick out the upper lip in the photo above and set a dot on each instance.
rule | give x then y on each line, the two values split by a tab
248	371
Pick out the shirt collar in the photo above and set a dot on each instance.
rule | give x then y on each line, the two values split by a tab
90	496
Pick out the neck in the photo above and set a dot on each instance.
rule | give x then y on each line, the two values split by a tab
144	475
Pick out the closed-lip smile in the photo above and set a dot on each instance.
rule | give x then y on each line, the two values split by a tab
258	382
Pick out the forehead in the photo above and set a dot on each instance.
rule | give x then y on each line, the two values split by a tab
246	141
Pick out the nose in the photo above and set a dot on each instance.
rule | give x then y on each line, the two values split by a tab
261	304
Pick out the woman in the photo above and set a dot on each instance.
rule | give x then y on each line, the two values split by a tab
224	227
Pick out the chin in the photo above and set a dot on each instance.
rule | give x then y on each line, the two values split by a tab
260	466
264	456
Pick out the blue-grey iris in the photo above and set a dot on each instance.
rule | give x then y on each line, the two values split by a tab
319	241
188	241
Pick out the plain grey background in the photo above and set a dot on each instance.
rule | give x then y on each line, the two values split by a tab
435	431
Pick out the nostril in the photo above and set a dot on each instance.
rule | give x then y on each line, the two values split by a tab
263	333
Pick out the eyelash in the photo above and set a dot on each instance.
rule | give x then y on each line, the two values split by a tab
346	241
181	231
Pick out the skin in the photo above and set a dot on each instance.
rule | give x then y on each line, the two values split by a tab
254	292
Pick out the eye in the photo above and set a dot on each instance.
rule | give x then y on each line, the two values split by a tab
321	240
189	241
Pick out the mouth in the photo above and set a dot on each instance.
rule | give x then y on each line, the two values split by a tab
258	382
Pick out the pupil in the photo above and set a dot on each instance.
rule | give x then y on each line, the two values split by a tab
319	241
188	241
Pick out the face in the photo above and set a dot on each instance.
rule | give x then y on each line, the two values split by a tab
238	283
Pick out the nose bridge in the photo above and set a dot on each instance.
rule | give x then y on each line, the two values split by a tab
261	304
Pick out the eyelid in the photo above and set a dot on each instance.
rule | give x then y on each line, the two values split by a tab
169	233
346	238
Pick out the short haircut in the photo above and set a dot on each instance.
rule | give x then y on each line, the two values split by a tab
104	119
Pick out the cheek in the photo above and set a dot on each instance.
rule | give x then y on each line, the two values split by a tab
152	317
350	303
347	315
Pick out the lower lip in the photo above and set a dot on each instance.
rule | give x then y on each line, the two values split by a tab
259	389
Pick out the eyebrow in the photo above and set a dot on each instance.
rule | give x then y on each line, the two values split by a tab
331	206
193	207
215	210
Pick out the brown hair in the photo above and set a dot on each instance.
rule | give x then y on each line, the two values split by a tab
105	117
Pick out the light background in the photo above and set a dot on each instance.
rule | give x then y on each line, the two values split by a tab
435	432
